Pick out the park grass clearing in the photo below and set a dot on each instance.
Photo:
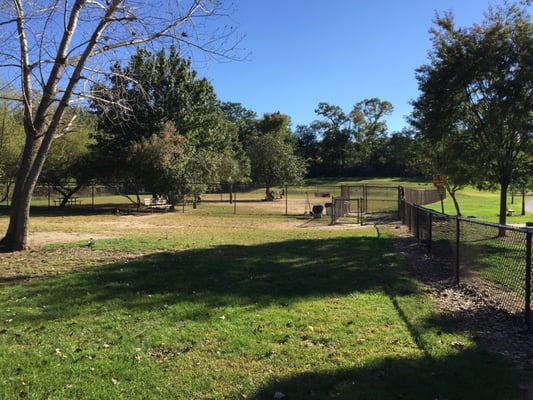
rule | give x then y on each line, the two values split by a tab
485	206
203	305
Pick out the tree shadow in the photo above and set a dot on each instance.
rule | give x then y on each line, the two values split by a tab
257	275
278	274
397	378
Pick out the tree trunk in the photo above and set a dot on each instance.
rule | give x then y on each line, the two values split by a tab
16	237
36	148
456	204
453	194
504	186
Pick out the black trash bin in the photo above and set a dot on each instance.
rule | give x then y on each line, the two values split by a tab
317	210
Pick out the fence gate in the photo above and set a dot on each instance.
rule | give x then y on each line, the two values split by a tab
346	210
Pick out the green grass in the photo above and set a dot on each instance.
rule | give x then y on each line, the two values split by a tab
204	306
484	206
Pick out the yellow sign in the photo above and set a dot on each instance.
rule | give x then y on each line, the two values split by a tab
439	180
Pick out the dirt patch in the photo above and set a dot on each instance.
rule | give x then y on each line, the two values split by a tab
39	239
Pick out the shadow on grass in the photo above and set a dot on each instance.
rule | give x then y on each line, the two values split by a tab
470	374
229	275
279	273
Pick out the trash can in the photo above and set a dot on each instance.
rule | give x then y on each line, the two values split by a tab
317	210
329	208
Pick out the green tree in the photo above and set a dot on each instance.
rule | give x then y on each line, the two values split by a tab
159	90
308	148
272	155
11	144
66	167
274	162
392	155
369	128
243	118
57	48
447	159
334	128
477	95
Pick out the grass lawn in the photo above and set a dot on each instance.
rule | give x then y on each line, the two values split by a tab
203	305
485	206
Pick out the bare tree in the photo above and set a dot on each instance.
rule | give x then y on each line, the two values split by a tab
55	49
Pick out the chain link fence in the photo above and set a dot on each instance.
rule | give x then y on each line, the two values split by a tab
494	259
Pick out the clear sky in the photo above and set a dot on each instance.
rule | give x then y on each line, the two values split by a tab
303	52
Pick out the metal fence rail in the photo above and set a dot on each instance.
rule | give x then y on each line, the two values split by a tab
494	258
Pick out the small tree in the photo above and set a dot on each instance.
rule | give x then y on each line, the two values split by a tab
274	162
66	169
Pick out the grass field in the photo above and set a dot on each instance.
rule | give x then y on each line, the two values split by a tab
207	304
485	206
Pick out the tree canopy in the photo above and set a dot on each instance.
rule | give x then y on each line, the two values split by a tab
476	99
162	104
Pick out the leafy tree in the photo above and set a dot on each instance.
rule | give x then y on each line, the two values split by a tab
308	148
11	144
161	91
272	157
66	167
274	162
56	48
243	118
370	130
477	95
447	159
354	139
336	133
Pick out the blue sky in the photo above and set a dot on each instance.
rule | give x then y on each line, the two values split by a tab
303	52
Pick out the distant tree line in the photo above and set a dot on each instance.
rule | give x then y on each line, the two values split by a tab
153	124
355	144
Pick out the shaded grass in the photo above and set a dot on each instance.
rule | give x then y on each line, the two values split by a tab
198	314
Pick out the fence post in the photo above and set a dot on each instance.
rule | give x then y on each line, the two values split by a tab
430	234
417	224
527	306
286	192
365	196
360	211
457	245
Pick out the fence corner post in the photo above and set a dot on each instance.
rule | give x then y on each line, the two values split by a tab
527	305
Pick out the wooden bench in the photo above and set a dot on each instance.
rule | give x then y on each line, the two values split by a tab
156	203
510	212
